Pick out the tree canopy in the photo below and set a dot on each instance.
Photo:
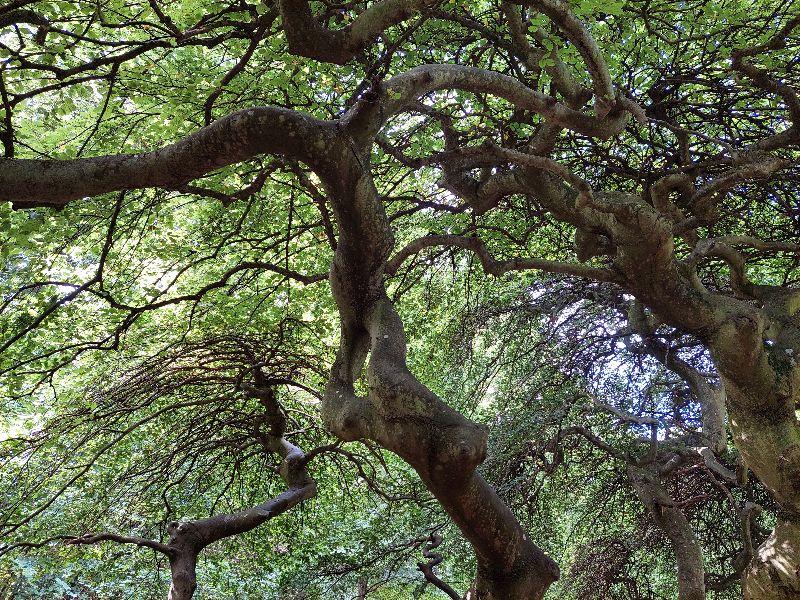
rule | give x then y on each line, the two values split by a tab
395	299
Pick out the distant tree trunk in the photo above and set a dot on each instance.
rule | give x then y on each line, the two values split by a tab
672	521
362	589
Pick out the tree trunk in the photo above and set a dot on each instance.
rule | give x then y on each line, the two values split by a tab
362	589
516	587
754	344
672	521
184	578
774	571
400	413
762	384
510	566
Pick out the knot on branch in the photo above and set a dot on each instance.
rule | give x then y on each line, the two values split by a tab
185	534
589	244
460	450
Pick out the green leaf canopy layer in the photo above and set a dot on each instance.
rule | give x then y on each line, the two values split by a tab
492	300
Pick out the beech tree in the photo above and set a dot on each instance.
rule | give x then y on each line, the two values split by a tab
217	158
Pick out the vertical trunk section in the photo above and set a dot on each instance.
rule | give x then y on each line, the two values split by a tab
766	431
510	565
672	521
184	578
774	571
400	413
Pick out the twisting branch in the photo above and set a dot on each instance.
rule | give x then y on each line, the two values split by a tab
434	559
308	37
405	89
258	36
672	520
761	77
713	191
488	154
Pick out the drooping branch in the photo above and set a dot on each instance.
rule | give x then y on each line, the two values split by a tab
96	538
21	15
713	191
756	244
188	538
488	155
761	77
258	36
710	398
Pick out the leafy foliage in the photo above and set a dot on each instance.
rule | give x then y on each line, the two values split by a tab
129	321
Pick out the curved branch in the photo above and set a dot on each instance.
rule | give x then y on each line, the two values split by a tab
307	37
673	522
493	266
405	89
712	192
189	538
756	243
13	17
242	135
434	559
488	154
560	13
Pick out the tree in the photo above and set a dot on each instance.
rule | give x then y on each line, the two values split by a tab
662	142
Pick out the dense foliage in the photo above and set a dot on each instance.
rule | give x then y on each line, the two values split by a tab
580	220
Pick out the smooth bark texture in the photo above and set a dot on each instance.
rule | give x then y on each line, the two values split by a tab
399	412
307	37
773	573
232	139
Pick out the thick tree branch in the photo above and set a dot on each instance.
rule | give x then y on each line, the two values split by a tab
229	140
405	89
561	14
308	37
673	521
